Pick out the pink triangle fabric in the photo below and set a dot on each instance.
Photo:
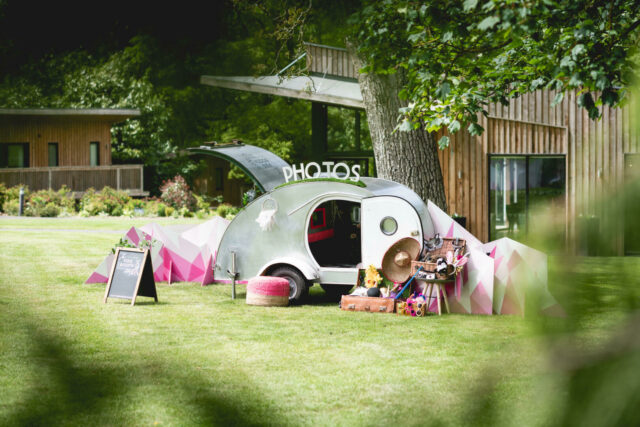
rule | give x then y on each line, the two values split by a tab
520	271
175	257
475	296
447	227
498	282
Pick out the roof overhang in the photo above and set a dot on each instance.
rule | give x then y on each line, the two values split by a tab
106	114
312	88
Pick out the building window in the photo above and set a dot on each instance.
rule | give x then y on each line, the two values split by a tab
14	155
219	177
94	154
53	154
524	192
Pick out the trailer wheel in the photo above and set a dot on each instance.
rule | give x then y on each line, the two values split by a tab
298	289
336	291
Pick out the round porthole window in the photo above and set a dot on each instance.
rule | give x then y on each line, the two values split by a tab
388	225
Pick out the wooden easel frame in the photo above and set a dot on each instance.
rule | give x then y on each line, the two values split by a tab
140	273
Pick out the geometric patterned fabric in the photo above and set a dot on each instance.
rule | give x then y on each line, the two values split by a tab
498	276
175	256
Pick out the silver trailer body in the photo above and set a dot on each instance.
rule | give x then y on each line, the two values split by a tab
260	252
382	212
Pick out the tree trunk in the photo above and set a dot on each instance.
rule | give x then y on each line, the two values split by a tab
410	158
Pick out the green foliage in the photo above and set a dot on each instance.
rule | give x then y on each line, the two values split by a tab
13	193
279	125
50	203
177	194
161	209
225	210
459	56
46	203
11	207
124	242
3	195
106	201
203	202
341	181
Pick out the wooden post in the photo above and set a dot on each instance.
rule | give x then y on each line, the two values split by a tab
118	178
141	180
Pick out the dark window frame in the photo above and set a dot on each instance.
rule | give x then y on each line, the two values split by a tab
57	147
526	158
97	144
4	154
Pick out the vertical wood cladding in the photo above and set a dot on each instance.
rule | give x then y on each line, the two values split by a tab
73	136
330	60
232	189
594	152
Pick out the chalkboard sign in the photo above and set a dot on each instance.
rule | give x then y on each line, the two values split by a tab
131	276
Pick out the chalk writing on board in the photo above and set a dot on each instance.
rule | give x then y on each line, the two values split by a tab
129	263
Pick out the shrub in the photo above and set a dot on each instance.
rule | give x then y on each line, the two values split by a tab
224	209
50	210
202	214
107	201
13	193
11	207
49	202
176	193
38	203
3	195
162	209
203	203
185	212
227	211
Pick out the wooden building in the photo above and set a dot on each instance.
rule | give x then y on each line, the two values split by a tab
533	154
215	183
48	148
531	157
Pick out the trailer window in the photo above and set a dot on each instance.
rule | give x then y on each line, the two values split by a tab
388	225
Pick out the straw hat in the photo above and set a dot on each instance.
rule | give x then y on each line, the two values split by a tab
396	263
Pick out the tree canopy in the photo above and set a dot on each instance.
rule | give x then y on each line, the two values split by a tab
152	60
461	55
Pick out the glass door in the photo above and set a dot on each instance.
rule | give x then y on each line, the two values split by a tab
547	200
507	197
523	191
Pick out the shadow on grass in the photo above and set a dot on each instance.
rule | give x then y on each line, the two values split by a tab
72	392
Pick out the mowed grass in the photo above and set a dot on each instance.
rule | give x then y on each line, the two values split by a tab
197	357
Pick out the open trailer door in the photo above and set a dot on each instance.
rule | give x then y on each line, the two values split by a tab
384	221
262	166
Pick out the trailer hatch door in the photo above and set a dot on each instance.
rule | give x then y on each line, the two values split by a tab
262	166
385	220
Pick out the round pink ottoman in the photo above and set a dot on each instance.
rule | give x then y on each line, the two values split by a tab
268	291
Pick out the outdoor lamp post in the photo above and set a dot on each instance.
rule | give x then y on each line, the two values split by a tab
21	202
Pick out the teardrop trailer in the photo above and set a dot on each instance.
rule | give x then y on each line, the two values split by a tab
313	230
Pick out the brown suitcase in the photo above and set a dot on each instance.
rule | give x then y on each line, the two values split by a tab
370	304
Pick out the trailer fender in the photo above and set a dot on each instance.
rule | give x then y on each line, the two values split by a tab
309	272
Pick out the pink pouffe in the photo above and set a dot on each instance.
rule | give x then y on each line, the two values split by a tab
268	291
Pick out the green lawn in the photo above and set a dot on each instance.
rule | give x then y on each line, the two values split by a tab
198	357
